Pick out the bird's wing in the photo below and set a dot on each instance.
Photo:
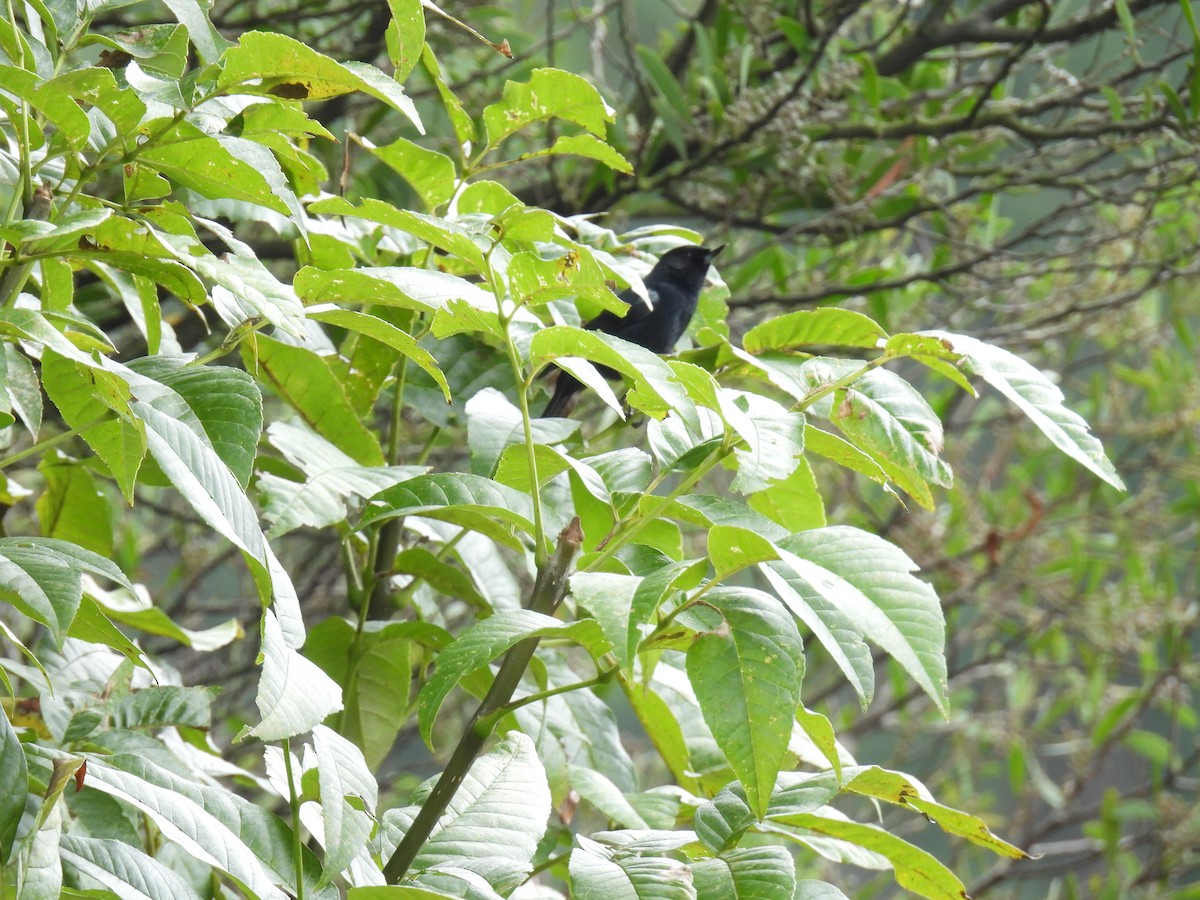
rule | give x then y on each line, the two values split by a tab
611	323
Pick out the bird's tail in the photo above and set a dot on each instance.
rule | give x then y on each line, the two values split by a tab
565	389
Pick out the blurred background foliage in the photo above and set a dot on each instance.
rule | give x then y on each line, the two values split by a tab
1018	170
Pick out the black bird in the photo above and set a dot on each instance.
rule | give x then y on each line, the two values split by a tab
674	286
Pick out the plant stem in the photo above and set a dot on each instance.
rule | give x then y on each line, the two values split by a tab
48	443
844	381
548	591
39	207
600	678
379	604
294	803
615	541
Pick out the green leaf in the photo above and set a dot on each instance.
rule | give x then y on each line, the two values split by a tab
386	333
431	174
375	682
535	280
819	731
445	234
817	890
22	388
194	16
915	869
485	640
267	63
884	415
747	680
395	892
933	352
246	841
306	381
15	775
225	402
751	873
244	288
207	165
1039	398
598	873
460	121
773	436
819	599
294	695
585	145
605	796
814	327
92	625
494	425
347	786
39	851
664	731
425	290
895	787
794	502
71	508
137	610
498	813
332	481
44	578
655	389
549	93
186	456
470	501
164	706
123	869
891	608
842	452
408	16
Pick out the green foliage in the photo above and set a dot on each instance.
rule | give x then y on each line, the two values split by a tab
704	553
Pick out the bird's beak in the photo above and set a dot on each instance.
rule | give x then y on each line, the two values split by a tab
712	254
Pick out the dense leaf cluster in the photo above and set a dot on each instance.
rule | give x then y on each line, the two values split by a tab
692	550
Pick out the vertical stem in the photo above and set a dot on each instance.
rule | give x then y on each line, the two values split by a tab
294	803
15	276
548	591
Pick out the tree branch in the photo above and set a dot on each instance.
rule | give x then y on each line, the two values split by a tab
548	592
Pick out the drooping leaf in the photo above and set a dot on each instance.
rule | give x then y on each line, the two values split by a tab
470	501
123	869
892	608
549	93
331	485
225	401
895	787
15	773
814	327
386	333
747	681
308	383
275	64
1039	398
749	873
600	873
294	695
348	797
43	576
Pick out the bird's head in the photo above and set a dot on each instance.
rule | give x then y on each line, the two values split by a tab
686	266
